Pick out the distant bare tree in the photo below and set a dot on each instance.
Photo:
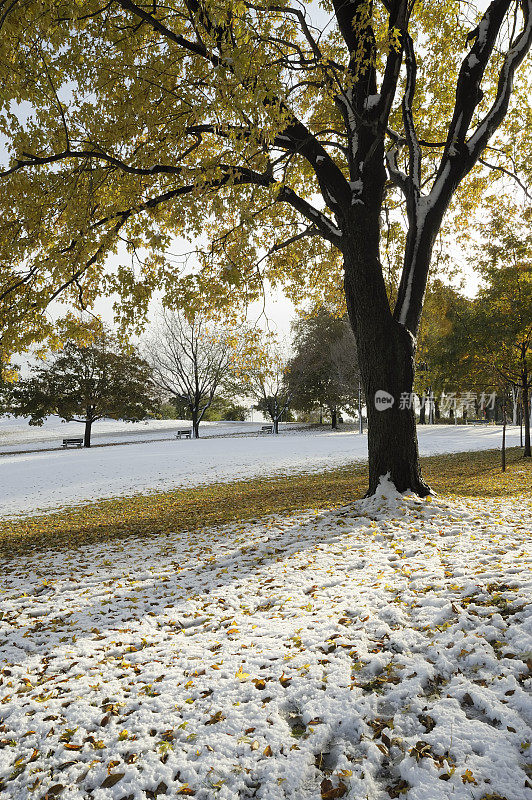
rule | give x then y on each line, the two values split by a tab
263	376
191	359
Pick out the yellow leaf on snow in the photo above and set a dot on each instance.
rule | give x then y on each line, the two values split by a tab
241	675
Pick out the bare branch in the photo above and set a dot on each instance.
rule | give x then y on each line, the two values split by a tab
507	172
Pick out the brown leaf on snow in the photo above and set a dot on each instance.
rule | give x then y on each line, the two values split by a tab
54	791
421	750
330	792
427	721
397	789
162	788
112	780
218	717
186	790
492	797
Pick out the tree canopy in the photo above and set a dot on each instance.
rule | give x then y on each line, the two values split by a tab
84	383
501	325
226	122
323	372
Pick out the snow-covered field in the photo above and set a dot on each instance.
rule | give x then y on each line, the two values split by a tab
44	480
17	435
377	651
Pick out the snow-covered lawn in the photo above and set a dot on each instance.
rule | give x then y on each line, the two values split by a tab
44	480
376	651
17	435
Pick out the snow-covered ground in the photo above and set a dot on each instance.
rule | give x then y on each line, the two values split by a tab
44	480
17	435
377	651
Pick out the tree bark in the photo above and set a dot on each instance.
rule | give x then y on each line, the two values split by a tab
334	419
515	403
195	425
526	413
386	358
87	436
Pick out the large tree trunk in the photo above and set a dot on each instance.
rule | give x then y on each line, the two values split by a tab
334	418
87	436
386	358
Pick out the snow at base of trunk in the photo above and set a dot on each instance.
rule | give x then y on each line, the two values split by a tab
379	650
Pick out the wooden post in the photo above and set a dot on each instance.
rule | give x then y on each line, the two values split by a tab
504	435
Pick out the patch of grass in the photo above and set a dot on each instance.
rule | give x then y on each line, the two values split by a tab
478	474
473	474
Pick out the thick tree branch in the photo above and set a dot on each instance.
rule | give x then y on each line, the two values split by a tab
31	160
397	176
469	94
399	14
514	57
296	135
414	150
6	7
193	47
327	228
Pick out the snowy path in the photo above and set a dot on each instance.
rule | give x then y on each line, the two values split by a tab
50	479
377	651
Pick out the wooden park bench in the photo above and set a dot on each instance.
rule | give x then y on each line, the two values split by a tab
76	441
266	429
185	434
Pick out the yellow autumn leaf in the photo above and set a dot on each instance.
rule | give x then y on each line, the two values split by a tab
241	675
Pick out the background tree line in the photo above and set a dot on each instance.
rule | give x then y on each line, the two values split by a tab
196	369
193	369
